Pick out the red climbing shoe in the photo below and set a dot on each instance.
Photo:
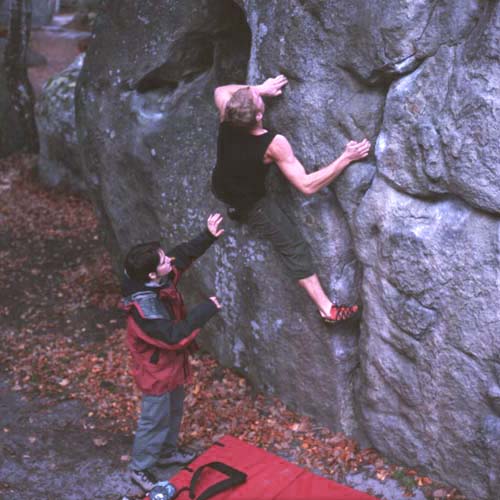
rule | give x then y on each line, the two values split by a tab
340	313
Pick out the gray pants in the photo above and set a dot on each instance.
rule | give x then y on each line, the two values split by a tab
271	222
158	428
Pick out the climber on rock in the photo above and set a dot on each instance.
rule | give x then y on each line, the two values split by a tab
245	151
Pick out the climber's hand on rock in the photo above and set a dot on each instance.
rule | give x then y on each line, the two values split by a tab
357	150
272	87
213	222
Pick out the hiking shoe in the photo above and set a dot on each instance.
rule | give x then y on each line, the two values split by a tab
143	478
340	313
177	456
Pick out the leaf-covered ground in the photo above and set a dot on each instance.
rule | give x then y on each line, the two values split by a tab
62	339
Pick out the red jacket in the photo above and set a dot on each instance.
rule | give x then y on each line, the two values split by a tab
170	366
160	332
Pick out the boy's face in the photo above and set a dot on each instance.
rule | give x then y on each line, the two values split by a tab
165	265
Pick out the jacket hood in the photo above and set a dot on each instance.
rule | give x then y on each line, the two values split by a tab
130	286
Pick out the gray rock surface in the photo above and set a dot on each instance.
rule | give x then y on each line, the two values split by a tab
439	135
429	334
427	234
59	161
413	231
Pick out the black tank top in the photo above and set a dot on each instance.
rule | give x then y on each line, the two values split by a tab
240	174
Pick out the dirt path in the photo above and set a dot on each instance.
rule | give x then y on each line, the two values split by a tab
49	451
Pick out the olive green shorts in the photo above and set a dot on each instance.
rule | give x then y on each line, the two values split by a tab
272	223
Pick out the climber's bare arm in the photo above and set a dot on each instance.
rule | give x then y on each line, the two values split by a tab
280	151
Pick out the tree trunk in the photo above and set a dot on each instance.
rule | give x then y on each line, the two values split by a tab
21	95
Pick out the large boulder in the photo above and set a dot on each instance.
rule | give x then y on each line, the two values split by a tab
413	231
429	331
59	161
427	235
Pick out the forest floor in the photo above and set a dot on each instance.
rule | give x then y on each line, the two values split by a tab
67	403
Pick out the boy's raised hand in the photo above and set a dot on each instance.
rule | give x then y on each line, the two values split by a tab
215	300
213	222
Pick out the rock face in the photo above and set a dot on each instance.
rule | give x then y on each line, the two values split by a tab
413	232
427	233
59	162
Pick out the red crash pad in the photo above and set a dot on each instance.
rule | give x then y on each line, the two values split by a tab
268	476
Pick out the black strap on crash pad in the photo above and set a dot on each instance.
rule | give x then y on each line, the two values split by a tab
234	478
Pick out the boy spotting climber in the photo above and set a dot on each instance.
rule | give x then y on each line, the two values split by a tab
245	150
160	336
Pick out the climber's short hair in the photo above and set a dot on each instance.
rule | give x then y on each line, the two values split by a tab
241	110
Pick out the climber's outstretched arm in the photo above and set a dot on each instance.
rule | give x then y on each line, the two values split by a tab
280	151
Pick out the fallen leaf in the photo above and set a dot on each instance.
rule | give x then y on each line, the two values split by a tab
100	441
